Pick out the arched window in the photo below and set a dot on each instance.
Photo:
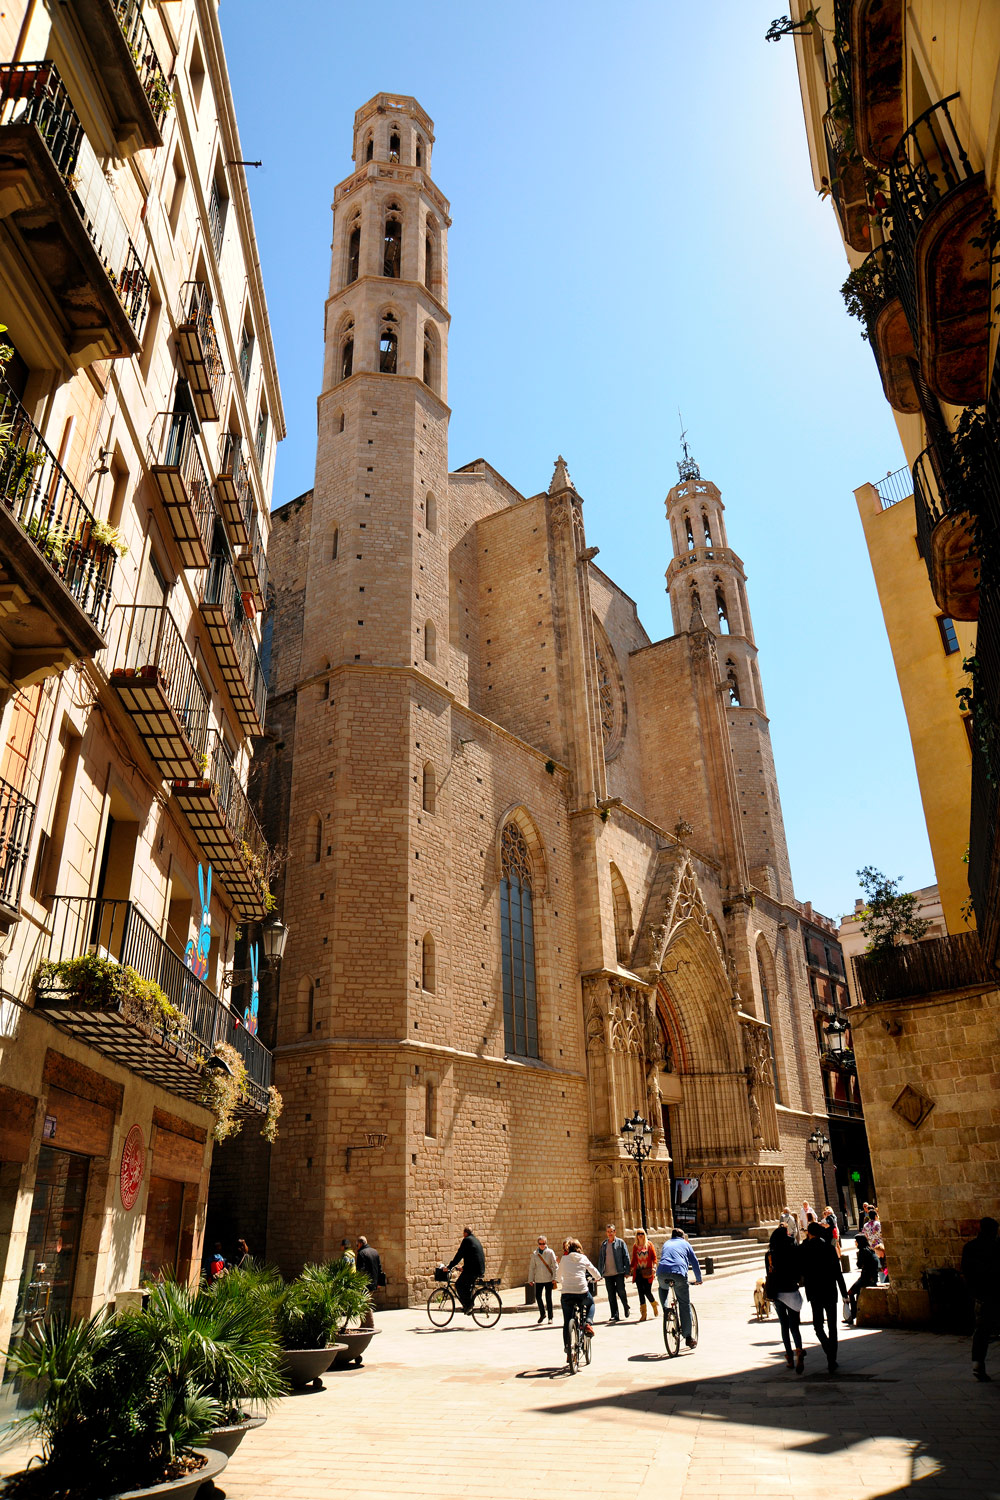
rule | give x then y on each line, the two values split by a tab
324	696
431	513
428	977
335	544
429	794
306	1006
347	354
340	421
430	643
354	252
370	148
428	363
517	942
314	840
622	908
723	613
428	263
708	529
734	684
388	346
420	152
695	597
688	531
394	146
392	243
765	1001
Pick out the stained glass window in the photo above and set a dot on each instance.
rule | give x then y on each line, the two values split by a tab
517	942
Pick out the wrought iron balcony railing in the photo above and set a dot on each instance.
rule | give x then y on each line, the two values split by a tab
934	966
251	564
220	815
984	822
154	674
871	293
33	94
49	510
226	618
119	930
232	486
199	351
949	484
894	487
17	816
184	487
147	64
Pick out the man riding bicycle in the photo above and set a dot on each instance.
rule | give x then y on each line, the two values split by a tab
576	1273
473	1257
676	1259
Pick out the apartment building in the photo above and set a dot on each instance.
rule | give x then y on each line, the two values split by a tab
904	139
139	413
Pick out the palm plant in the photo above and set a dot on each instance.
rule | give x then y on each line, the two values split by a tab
351	1288
309	1312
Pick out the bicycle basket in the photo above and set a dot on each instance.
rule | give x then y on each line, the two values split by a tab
441	1273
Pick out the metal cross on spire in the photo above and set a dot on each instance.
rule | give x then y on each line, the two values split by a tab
687	468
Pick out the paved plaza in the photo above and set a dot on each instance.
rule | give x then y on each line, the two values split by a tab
491	1414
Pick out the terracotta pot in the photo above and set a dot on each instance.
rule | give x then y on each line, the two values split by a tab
227	1439
355	1341
185	1488
304	1366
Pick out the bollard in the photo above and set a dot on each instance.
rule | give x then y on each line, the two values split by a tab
709	1265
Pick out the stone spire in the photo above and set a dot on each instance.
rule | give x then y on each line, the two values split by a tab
560	477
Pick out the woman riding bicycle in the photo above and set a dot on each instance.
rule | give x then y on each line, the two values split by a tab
576	1273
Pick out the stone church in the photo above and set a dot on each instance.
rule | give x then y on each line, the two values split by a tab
537	876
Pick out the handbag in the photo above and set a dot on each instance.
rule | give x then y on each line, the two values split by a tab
382	1279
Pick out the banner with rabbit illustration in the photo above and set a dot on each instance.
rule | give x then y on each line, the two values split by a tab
196	952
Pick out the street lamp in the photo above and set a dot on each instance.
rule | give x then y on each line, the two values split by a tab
637	1138
819	1145
835	1032
274	936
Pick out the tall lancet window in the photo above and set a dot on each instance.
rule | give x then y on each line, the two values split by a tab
392	244
354	252
388	346
707	529
690	533
723	613
765	1000
517	942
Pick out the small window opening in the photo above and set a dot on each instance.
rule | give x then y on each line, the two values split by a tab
394	147
708	529
690	533
370	149
427	968
429	792
354	254
420	153
430	1109
388	346
340	421
720	605
335	544
430	643
428	363
734	684
949	635
428	262
347	357
392	247
315	839
431	513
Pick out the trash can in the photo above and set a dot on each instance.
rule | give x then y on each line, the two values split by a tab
709	1265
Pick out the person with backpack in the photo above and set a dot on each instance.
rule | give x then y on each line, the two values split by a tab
781	1286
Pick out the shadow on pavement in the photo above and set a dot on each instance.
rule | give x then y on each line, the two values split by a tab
889	1386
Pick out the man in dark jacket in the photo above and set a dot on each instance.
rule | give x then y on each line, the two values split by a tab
867	1264
473	1257
369	1263
981	1269
819	1267
614	1263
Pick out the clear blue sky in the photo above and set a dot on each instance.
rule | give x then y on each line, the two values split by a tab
635	230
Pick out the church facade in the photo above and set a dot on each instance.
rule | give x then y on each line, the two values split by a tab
537	876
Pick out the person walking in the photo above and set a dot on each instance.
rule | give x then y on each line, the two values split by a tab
981	1269
819	1269
473	1258
613	1264
543	1268
781	1286
643	1271
347	1257
790	1223
576	1275
676	1260
829	1218
867	1263
369	1263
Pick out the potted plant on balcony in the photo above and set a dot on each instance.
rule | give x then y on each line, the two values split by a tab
310	1311
103	984
120	1413
100	537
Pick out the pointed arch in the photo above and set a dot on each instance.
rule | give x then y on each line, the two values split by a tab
306	1004
346	356
733	682
766	980
428	795
353	268
432	358
517	943
518	813
392	243
428	964
430	643
706	528
388	343
688	532
431	512
721	608
622	912
314	839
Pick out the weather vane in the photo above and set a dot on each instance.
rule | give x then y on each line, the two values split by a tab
687	468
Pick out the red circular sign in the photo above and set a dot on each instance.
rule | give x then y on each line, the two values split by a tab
133	1166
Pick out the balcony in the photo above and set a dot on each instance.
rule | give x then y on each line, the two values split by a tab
251	566
871	294
845	1109
939	211
17	816
129	68
184	488
232	489
875	29
199	351
55	586
984	825
166	1052
222	820
154	675
894	487
848	183
60	208
225	618
933	967
948	490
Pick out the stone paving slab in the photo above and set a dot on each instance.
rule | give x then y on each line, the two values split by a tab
492	1414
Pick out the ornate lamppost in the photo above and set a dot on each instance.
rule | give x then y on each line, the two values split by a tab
819	1146
637	1138
274	936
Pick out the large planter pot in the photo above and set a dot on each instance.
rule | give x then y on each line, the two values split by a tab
355	1341
185	1488
227	1439
304	1366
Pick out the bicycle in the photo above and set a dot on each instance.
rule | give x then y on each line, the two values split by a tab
672	1324
577	1340
442	1304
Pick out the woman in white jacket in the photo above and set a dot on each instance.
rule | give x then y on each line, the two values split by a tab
576	1274
542	1269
